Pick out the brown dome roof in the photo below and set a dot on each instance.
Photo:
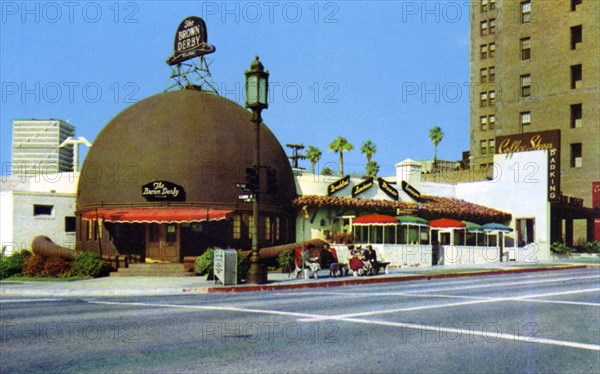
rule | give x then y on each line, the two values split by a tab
199	141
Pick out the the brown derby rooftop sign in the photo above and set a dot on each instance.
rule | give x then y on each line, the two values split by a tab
190	41
535	141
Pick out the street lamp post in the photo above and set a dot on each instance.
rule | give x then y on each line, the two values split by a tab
257	84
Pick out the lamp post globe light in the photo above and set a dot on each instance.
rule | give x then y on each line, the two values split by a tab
257	85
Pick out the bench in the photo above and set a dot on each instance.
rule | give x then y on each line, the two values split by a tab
384	266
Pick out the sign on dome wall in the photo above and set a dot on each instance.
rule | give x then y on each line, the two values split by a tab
163	191
190	41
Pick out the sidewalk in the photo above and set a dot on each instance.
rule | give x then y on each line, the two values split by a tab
163	286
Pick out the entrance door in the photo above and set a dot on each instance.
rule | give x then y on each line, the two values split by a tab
162	241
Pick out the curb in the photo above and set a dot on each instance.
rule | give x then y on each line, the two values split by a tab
354	281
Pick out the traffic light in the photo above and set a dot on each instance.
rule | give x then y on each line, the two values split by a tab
252	179
271	181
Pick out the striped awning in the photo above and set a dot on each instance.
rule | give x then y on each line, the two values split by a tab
374	219
156	215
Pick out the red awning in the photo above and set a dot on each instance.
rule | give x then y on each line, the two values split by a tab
375	219
446	223
156	215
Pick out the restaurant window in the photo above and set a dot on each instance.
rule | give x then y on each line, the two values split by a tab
483	51
525	231
268	228
483	99
237	227
376	234
525	48
483	75
401	234
444	238
492	122
483	147
171	233
413	235
525	85
459	237
576	116
70	224
576	155
40	210
483	123
492	240
91	230
390	235
526	11
483	28
492	26
492	95
492	48
277	229
424	236
574	4
492	148
576	36
525	121
576	76
492	73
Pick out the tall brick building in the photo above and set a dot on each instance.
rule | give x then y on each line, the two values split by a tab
535	66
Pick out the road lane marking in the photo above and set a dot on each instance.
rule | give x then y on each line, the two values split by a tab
485	334
448	305
26	300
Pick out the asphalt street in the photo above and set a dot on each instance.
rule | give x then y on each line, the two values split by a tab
534	322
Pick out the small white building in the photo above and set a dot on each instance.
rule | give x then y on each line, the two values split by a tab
32	205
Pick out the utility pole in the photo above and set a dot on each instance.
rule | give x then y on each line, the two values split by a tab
295	156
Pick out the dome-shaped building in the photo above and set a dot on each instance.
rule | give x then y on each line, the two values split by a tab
160	180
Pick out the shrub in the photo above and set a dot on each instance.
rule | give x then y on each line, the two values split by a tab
591	247
286	259
13	264
34	266
243	265
204	263
87	264
55	266
561	249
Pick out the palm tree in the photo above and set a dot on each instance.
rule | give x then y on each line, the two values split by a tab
368	149
340	145
313	154
436	135
372	168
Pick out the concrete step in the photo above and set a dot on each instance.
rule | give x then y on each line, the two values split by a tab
152	270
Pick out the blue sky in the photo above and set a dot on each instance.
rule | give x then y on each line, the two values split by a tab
385	71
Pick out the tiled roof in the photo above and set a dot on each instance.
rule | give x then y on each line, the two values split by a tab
429	208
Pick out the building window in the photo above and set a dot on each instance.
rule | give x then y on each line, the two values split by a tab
483	147
70	224
484	51
483	28
483	75
525	85
153	232
277	229
492	97
492	50
576	36
43	210
492	26
268	228
237	227
576	116
492	122
483	123
492	74
91	230
525	121
492	147
483	100
574	4
171	236
576	155
526	11
576	76
525	48
484	5
525	231
492	4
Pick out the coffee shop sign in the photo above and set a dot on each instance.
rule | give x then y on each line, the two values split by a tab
536	142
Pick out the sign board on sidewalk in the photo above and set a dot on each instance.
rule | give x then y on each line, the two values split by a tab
225	266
